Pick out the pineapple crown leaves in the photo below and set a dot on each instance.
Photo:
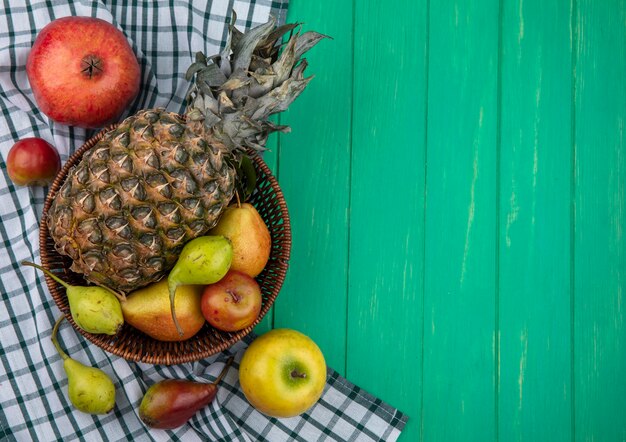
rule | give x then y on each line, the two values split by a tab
253	77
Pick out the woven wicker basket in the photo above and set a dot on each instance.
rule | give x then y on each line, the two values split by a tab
132	344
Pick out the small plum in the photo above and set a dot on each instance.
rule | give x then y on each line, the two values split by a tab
33	162
233	303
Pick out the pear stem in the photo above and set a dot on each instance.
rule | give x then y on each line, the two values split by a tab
47	272
172	289
224	370
120	296
238	200
55	330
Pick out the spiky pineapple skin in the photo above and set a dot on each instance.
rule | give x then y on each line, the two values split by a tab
144	190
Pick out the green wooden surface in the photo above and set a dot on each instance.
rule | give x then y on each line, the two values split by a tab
387	201
456	181
459	293
534	219
600	222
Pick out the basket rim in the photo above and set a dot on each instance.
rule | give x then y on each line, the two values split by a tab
103	341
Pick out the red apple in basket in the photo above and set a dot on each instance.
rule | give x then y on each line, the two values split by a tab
33	162
233	303
82	71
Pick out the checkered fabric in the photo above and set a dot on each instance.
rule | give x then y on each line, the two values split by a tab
33	385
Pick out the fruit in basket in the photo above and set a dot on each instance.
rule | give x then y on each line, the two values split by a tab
282	373
33	162
94	309
89	389
148	310
233	303
249	235
82	71
160	179
203	260
170	403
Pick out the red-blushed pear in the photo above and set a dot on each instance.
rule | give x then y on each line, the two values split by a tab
83	71
171	403
233	303
33	162
148	309
249	235
282	373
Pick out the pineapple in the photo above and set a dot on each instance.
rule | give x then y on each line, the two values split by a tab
161	179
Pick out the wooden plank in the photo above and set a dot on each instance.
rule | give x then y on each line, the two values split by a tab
314	165
600	221
460	247
387	203
535	187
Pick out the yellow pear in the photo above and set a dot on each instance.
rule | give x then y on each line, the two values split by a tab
249	235
148	310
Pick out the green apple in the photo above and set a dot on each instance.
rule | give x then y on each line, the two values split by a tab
282	373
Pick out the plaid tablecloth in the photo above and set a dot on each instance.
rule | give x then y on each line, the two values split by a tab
33	401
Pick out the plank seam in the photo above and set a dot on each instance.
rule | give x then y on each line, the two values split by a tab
497	226
349	210
426	91
574	60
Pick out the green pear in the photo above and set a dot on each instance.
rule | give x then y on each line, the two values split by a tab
94	309
90	390
203	260
243	226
